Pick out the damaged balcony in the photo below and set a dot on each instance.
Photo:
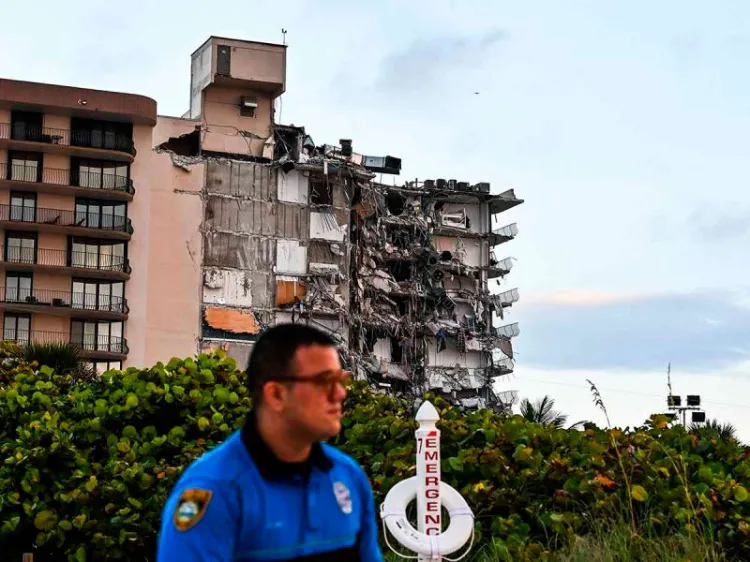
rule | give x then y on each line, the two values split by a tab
503	234
499	268
28	217
504	201
36	179
500	367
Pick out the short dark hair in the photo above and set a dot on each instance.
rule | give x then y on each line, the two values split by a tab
274	351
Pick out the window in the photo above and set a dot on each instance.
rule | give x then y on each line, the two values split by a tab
25	166
94	254
20	247
17	287
23	207
27	125
101	134
223	59
100	174
98	295
100	214
320	192
397	351
93	335
17	328
104	366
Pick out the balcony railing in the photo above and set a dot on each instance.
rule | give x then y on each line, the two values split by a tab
64	299
75	178
509	330
87	343
59	217
65	137
63	258
503	234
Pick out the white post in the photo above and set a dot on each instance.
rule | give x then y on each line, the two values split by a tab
428	474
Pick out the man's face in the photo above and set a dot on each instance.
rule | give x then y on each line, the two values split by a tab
315	408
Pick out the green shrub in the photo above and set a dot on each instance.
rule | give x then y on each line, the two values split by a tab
87	465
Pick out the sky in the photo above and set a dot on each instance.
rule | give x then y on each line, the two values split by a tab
624	127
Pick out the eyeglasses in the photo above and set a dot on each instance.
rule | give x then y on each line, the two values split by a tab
327	380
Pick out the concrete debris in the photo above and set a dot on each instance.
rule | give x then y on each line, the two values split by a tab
397	274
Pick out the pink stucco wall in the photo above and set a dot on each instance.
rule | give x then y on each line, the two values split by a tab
165	252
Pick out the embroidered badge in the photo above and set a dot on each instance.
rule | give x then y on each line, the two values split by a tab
343	497
190	507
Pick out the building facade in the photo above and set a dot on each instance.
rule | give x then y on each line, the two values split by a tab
70	163
140	237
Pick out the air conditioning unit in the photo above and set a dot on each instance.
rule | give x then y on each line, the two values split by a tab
383	164
482	187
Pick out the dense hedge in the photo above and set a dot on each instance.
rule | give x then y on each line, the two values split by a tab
87	465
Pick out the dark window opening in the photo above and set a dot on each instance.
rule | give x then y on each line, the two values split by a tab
27	126
24	166
320	192
108	135
248	106
188	144
395	202
370	339
397	351
92	213
400	271
223	59
446	256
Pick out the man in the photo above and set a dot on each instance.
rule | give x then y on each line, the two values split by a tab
275	490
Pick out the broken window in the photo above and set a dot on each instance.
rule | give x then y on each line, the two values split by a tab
455	220
320	192
397	351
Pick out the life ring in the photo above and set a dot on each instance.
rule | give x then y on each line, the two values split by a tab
459	531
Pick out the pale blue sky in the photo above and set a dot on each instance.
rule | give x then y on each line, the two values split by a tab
624	127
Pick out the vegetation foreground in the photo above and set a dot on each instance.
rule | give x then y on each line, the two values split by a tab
87	463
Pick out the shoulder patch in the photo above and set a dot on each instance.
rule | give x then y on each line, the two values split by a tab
343	497
190	507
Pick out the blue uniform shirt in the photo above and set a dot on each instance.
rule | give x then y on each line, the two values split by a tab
238	502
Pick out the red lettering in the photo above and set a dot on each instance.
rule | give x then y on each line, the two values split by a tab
431	481
434	519
432	494
431	468
432	531
433	506
431	456
431	443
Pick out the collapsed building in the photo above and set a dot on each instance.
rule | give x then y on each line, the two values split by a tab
293	230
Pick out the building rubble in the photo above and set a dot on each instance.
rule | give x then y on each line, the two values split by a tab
400	275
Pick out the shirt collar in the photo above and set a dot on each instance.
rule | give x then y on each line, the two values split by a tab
269	465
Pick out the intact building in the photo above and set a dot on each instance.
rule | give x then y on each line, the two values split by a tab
139	237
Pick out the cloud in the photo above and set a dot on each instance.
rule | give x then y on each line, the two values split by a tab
699	330
711	224
427	63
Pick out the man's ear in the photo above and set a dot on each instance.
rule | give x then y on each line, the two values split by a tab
274	395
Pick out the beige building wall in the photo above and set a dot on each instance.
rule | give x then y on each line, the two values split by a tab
168	258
